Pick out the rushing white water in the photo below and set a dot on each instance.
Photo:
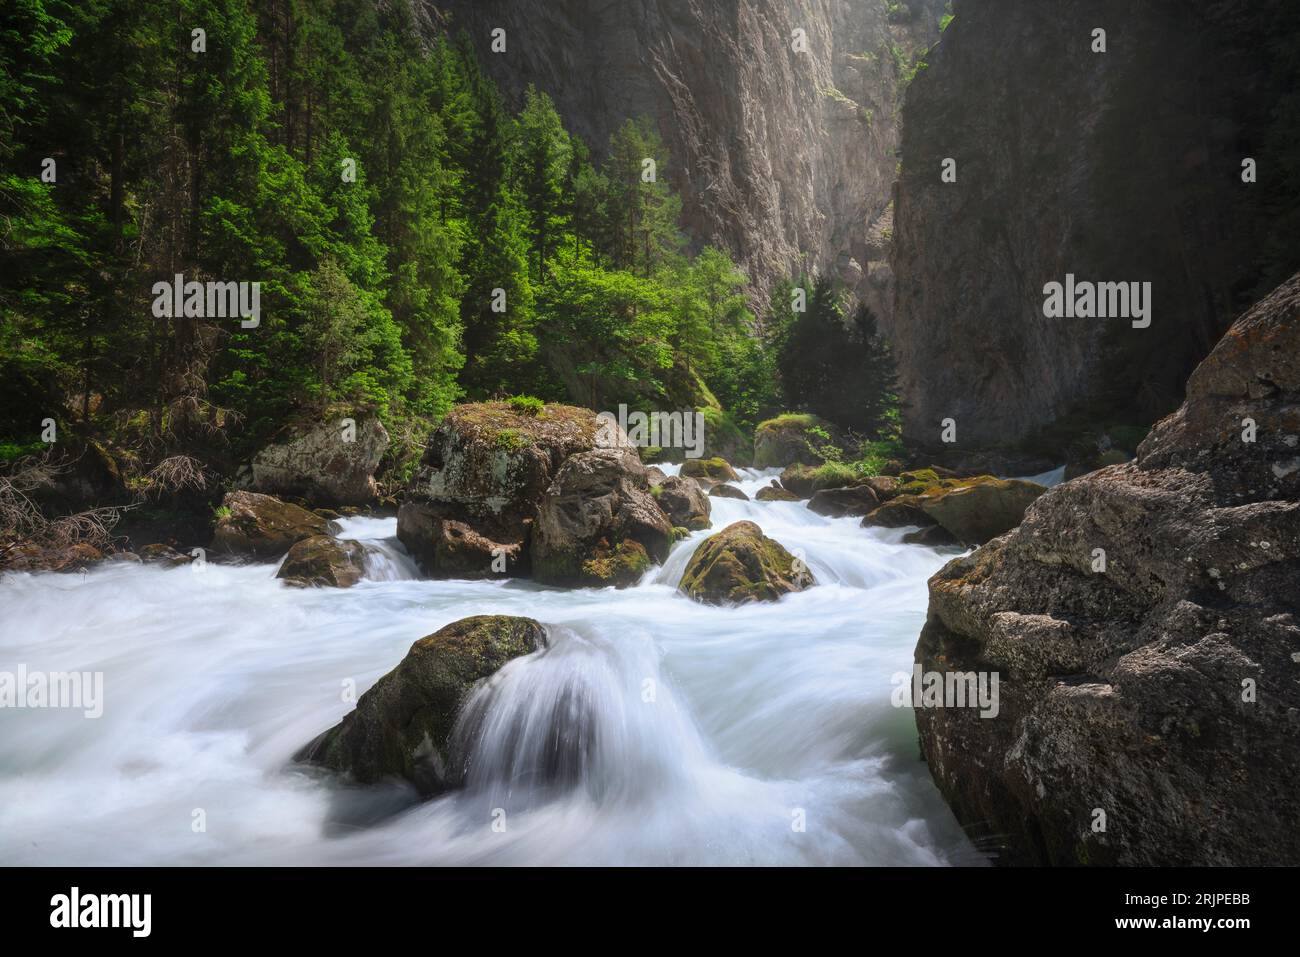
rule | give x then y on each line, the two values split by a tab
653	730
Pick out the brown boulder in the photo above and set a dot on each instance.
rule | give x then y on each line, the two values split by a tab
324	561
258	526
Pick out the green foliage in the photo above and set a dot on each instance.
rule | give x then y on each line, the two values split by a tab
837	367
526	404
416	240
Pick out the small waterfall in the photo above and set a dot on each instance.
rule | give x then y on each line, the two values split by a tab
386	557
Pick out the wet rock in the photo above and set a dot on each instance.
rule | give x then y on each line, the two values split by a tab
324	561
935	536
724	490
323	461
774	493
160	554
253	525
597	520
858	500
403	726
741	564
1144	624
715	468
900	511
65	558
978	509
683	501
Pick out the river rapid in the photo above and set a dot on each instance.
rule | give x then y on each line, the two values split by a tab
761	734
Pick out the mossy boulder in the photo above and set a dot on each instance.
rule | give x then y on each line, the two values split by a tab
774	493
806	480
403	726
979	509
620	565
717	469
683	501
857	500
740	564
481	481
898	512
598	506
791	438
253	525
323	561
723	490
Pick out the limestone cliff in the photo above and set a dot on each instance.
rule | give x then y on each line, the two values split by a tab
786	159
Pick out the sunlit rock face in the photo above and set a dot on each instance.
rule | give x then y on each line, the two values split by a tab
1123	165
785	158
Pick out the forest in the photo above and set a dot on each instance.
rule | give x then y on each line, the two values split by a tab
417	242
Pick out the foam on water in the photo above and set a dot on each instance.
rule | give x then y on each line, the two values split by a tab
652	730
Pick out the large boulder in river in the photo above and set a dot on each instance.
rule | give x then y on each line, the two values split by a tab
970	510
717	469
978	509
253	525
481	481
807	480
402	727
329	461
774	493
898	512
741	564
599	523
323	561
684	502
1145	623
855	500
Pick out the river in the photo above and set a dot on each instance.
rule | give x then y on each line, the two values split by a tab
653	730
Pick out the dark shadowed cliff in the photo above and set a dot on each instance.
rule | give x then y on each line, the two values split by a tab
1117	166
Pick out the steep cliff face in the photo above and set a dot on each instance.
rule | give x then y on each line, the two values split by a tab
1123	165
1144	622
784	158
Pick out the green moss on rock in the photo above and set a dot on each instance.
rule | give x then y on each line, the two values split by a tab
402	727
741	564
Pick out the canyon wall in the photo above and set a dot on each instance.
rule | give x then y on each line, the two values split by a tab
785	159
1144	622
1123	165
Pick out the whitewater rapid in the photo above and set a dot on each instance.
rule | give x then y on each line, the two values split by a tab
761	734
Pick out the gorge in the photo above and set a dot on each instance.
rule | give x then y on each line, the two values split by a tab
664	389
